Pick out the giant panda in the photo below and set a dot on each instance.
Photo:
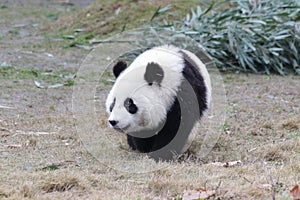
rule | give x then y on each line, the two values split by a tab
160	97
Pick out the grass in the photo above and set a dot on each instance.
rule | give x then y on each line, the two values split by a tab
49	77
14	31
73	38
70	172
104	18
60	184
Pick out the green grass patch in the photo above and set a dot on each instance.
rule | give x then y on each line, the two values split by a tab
52	108
106	78
14	31
50	168
52	16
82	39
3	6
65	77
10	72
72	38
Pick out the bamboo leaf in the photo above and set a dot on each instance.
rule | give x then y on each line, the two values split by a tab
160	10
164	9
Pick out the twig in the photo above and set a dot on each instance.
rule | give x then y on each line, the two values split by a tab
247	180
273	185
6	107
217	188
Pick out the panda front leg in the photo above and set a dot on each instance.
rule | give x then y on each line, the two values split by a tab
144	145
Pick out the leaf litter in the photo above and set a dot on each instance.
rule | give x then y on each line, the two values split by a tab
198	194
295	192
226	164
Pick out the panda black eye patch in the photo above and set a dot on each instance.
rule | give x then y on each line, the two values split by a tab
111	107
130	106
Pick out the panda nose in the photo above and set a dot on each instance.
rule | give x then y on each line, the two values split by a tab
113	122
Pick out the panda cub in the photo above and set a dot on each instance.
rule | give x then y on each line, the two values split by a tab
158	98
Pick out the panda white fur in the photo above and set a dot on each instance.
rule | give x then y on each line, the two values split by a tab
150	99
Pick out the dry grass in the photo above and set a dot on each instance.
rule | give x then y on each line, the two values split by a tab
271	154
291	124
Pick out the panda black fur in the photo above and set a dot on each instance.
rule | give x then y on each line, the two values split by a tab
151	95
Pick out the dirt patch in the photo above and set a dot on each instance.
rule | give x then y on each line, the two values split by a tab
42	156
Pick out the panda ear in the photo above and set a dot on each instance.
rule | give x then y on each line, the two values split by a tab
154	73
119	67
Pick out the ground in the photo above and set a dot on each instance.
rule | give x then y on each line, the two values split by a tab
42	156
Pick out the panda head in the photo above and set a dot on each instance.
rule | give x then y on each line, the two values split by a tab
137	101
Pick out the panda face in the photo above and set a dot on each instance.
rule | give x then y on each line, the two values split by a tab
135	104
123	117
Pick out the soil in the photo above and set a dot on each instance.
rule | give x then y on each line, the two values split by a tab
42	156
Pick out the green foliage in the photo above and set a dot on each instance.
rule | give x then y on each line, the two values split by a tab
260	36
50	167
3	6
52	108
15	73
14	31
75	37
51	16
